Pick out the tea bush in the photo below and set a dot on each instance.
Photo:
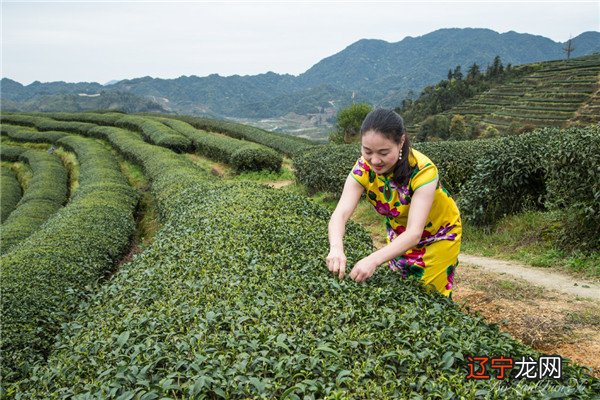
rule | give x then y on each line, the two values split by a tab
168	172
286	144
45	276
240	154
46	124
46	194
94	118
455	160
28	134
240	304
155	132
325	168
573	185
10	192
508	178
10	153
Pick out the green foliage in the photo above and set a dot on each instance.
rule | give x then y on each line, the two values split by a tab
44	277
10	192
490	132
285	144
46	194
10	153
455	160
326	167
109	118
349	120
27	134
240	154
434	126
259	316
508	179
458	128
454	90
573	185
47	124
156	132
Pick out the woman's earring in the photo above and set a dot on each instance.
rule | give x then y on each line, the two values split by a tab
400	155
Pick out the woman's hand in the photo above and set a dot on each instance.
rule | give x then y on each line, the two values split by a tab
336	261
363	269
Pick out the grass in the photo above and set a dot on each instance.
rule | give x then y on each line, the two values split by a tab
147	223
227	172
528	238
68	159
70	162
22	171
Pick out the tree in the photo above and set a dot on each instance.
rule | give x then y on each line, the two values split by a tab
458	128
349	121
569	48
435	125
474	73
457	74
490	132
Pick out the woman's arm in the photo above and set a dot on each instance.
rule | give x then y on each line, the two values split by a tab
420	205
336	260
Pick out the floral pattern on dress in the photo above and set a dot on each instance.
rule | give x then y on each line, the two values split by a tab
439	243
385	210
442	234
450	273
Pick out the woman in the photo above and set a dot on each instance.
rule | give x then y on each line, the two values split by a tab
422	220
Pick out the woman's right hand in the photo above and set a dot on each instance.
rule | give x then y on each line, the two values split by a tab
336	262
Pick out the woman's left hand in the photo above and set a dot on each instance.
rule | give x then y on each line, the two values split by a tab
363	270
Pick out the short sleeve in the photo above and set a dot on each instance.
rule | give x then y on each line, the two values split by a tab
360	172
423	175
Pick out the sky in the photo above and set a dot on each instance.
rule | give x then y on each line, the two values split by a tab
84	41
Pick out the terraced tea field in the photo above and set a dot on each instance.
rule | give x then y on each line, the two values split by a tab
231	299
558	93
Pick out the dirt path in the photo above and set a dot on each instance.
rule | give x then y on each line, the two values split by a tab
549	320
543	277
279	184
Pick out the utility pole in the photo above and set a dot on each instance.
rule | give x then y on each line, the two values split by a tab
569	48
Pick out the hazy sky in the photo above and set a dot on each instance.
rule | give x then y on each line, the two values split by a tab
101	41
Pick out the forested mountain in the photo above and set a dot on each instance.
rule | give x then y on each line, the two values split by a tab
375	71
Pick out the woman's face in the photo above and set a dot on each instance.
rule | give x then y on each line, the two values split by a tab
380	152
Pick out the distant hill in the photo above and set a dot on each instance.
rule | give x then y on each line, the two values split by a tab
72	102
375	71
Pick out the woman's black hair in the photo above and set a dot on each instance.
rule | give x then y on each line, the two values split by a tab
391	125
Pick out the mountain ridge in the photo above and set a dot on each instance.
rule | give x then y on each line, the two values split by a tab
373	70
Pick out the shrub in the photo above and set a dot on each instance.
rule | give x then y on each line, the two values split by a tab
240	154
285	144
156	132
573	184
45	194
507	179
326	167
240	305
45	276
10	192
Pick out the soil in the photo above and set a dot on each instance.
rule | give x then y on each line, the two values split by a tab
551	321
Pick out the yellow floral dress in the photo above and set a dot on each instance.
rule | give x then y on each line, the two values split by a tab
435	258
